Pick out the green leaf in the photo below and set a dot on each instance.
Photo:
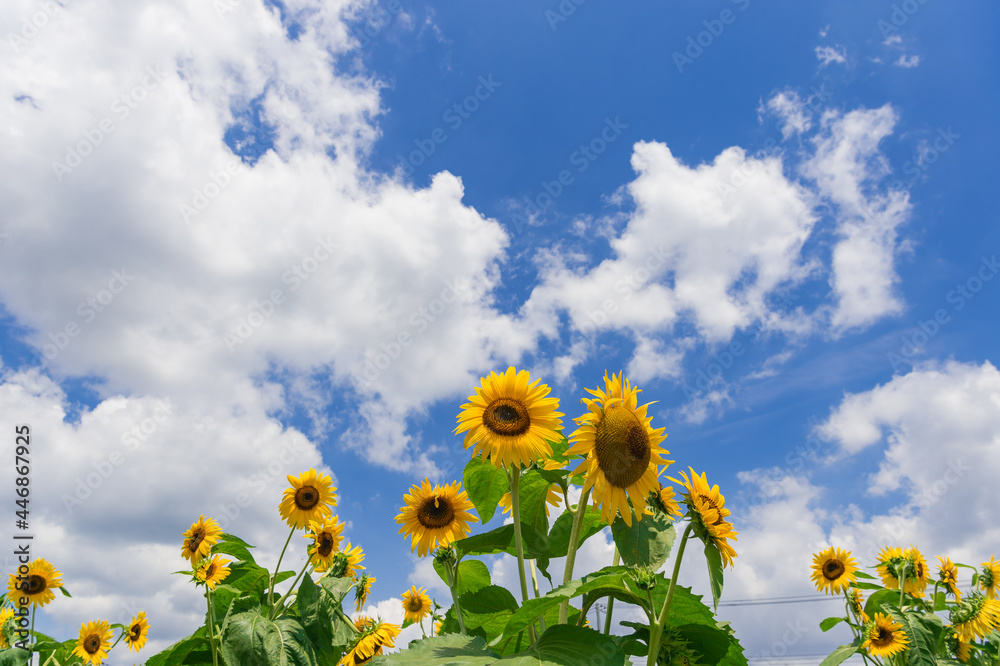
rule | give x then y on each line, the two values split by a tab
191	650
14	657
711	642
472	575
866	576
250	638
533	489
868	586
495	541
567	645
922	630
940	601
646	543
235	546
316	615
839	655
337	587
715	572
829	623
485	485
451	649
557	542
881	601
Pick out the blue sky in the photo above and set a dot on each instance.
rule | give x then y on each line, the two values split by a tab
779	222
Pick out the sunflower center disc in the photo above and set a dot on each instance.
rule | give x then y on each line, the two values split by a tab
35	584
136	632
433	516
833	569
306	497
92	644
506	416
622	446
325	545
195	541
884	638
415	604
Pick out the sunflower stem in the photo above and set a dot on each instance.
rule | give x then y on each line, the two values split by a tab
211	626
611	600
902	589
656	631
281	601
574	537
453	586
515	510
534	583
270	589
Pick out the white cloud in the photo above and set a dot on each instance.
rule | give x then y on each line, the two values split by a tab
791	111
829	54
907	61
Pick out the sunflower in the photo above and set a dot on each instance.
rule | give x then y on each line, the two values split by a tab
36	583
94	642
213	571
622	449
435	516
138	632
373	635
346	563
833	570
948	576
326	538
362	590
707	510
857	603
989	578
892	563
958	648
974	617
509	420
6	614
416	604
309	498
663	500
198	540
553	497
884	637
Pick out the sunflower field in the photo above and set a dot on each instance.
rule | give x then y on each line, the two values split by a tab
608	472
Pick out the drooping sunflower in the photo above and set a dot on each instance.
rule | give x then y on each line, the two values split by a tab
975	617
138	632
6	614
948	576
94	642
708	512
989	578
553	496
622	449
416	604
309	498
213	571
326	539
199	539
884	637
857	603
362	591
509	420
36	584
347	562
834	570
435	516
373	635
894	563
665	501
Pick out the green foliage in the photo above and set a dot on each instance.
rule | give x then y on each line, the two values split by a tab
646	543
839	655
485	485
250	639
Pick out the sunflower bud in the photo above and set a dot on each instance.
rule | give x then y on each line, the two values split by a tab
644	577
445	555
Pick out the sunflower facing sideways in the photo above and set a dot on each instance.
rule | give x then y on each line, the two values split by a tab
948	576
435	516
373	635
975	617
509	420
94	642
200	538
884	637
37	584
326	538
362	591
834	570
213	571
309	498
138	632
621	448
989	578
708	513
416	604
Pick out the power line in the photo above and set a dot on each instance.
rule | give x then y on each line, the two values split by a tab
777	600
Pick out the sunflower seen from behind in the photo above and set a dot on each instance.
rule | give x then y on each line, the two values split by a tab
199	539
94	642
896	564
138	632
6	615
707	511
975	617
416	604
36	584
435	516
884	637
622	450
509	420
989	578
834	570
362	591
310	497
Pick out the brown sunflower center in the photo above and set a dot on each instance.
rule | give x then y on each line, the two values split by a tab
306	498
436	512
136	632
508	417
92	643
622	446
195	540
325	544
210	571
35	584
833	569
884	638
415	605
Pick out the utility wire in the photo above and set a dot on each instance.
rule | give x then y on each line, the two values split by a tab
777	600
